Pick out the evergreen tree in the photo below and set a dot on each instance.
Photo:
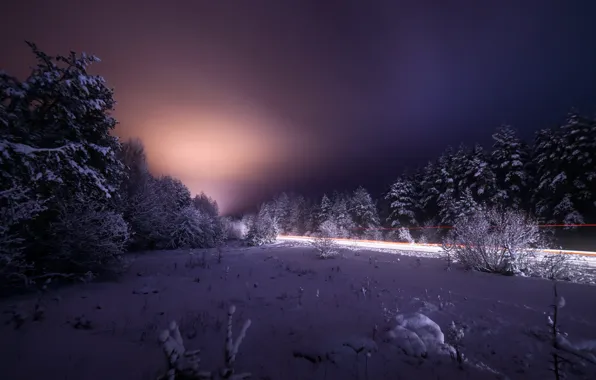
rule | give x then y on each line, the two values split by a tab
509	162
363	210
404	205
552	196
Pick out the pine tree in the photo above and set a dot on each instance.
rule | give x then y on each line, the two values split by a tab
340	215
509	162
579	156
323	212
553	186
363	210
404	205
59	159
480	178
206	205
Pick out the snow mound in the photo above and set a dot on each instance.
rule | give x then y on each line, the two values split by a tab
418	335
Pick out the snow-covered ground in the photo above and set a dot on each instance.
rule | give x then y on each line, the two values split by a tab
299	306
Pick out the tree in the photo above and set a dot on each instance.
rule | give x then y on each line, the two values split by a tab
404	205
206	205
579	157
56	148
479	176
509	160
264	226
340	215
324	211
553	186
363	210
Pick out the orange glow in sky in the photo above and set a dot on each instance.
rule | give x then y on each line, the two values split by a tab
215	151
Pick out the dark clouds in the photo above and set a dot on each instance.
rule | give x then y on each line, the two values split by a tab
337	93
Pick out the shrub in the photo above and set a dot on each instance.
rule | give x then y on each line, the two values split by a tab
494	241
404	235
88	238
323	241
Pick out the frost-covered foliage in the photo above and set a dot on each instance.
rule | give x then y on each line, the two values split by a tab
403	234
363	210
495	241
509	161
559	266
565	176
89	237
263	227
186	364
205	204
418	335
192	228
55	151
323	241
404	202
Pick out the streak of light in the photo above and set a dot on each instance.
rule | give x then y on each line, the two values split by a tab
449	227
431	248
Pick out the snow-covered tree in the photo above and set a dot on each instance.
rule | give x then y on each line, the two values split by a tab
363	210
509	161
281	206
206	205
552	196
579	156
263	227
56	146
324	210
404	202
297	215
340	215
479	176
173	194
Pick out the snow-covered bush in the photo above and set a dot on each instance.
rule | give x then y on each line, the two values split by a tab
87	238
186	364
557	266
494	241
418	335
404	235
326	247
323	241
263	228
16	205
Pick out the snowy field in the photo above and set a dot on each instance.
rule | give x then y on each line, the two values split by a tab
300	306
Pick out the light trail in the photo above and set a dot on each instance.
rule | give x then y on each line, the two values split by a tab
431	248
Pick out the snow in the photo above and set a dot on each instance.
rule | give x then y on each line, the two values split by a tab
504	318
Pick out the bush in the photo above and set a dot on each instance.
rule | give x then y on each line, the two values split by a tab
323	241
404	235
325	246
494	241
87	239
558	266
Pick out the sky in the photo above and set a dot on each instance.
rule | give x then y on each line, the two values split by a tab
243	99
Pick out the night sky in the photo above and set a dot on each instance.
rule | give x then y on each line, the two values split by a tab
245	98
